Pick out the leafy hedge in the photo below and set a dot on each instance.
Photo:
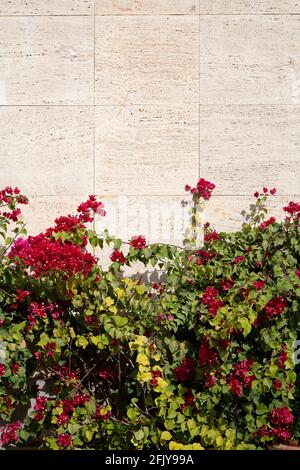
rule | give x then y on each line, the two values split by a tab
92	359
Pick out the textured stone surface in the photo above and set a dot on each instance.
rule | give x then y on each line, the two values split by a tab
224	212
46	7
245	147
227	7
249	59
47	150
46	60
146	150
146	60
42	211
140	7
140	144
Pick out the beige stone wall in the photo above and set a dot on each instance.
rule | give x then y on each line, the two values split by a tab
131	99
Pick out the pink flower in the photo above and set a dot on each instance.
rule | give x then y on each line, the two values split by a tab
238	260
117	257
138	242
297	272
2	370
203	189
293	208
64	440
210	380
281	417
264	225
277	384
15	368
211	236
80	399
258	285
236	385
227	284
206	355
275	307
185	371
22	294
43	255
63	418
10	434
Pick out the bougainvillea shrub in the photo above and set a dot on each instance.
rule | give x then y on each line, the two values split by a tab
93	359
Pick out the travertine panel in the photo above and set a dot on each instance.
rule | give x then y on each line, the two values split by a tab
225	212
146	150
159	219
47	150
146	60
141	7
46	60
46	7
41	211
243	148
250	59
227	7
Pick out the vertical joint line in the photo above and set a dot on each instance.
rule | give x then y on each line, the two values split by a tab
199	89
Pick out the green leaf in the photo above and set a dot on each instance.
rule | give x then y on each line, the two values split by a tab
120	321
139	435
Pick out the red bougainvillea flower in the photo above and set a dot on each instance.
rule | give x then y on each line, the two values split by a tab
275	306
243	367
91	205
43	255
293	208
238	260
2	370
297	272
211	236
206	355
64	440
189	400
235	385
155	375
80	399
100	413
283	357
209	294
63	418
21	295
138	242
210	380
258	285
282	434
68	406
15	367
277	384
117	257
226	284
13	215
281	417
203	189
264	225
185	371
10	433
209	298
